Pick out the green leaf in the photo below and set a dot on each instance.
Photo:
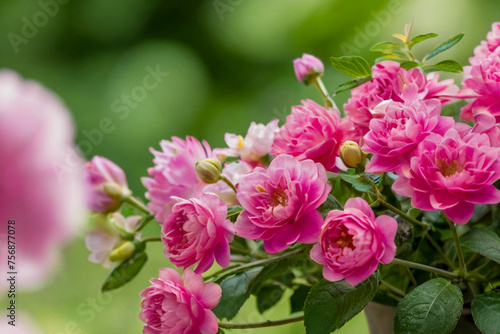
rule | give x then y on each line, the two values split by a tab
431	308
351	84
408	65
298	298
330	305
330	204
234	212
486	312
234	293
385	47
444	66
359	182
421	38
444	46
482	241
268	296
124	272
353	66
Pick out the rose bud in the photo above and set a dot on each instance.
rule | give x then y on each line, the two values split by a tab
308	68
351	154
209	170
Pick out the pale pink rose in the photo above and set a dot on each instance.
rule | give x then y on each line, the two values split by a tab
486	124
391	82
256	143
394	138
100	173
39	189
280	203
234	172
311	132
493	37
353	242
174	174
307	68
176	305
197	232
452	173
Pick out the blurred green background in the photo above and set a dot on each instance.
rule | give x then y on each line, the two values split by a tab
220	65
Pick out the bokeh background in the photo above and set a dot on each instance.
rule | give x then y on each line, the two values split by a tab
219	65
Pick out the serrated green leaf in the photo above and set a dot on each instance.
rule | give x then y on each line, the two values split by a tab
486	312
482	241
385	47
330	305
444	46
359	182
431	308
298	298
421	38
124	272
351	84
408	65
353	66
268	296
444	66
330	204
235	293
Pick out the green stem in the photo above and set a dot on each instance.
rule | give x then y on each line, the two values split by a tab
403	215
229	183
268	323
462	269
440	272
137	204
151	239
392	288
329	103
144	222
240	250
412	278
439	250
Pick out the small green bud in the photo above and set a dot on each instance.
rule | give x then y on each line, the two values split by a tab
209	170
122	252
351	154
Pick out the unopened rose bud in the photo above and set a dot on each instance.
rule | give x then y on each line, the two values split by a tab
308	68
107	185
209	170
351	154
124	251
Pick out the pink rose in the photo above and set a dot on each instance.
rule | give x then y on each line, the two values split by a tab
353	242
256	143
178	305
42	185
197	231
394	137
308	68
311	132
452	173
102	173
280	203
174	174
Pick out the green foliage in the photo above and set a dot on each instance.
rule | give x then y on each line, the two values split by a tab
484	242
408	65
353	66
351	84
486	312
125	272
444	46
385	47
420	38
298	298
330	305
431	308
444	66
330	204
268	296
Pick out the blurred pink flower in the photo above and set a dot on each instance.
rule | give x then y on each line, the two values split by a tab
178	305
280	203
394	137
353	242
452	173
38	190
307	68
197	231
174	174
256	143
485	48
100	173
311	132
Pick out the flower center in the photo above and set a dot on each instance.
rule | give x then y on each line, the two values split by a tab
345	240
278	197
448	168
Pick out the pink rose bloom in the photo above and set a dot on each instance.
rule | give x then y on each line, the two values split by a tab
390	82
280	203
197	231
42	184
485	48
307	68
178	305
311	132
353	242
256	143
394	138
174	174
101	172
234	172
452	173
